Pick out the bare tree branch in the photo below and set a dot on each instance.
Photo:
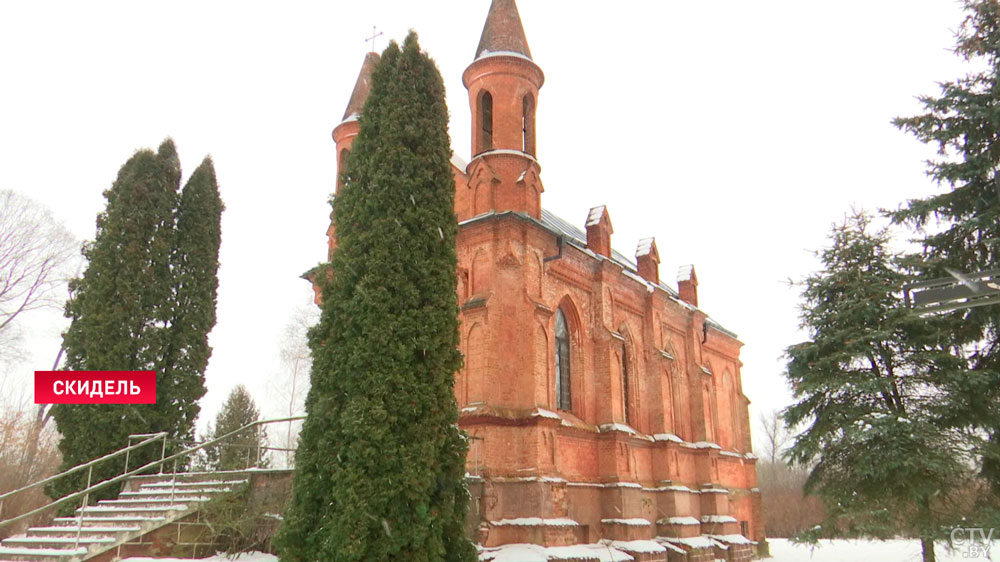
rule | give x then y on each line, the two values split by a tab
776	435
37	257
292	384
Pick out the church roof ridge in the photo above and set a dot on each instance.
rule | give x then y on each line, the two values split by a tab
578	238
503	32
362	87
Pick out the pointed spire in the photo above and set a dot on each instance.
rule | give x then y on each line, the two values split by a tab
362	87
503	31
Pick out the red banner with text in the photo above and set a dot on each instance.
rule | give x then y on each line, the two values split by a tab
95	387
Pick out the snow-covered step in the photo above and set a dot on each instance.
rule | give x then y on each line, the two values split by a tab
43	553
45	542
154	502
110	521
191	484
64	529
165	492
134	510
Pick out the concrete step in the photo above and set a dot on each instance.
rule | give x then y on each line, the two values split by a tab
41	554
110	521
189	485
71	530
52	542
107	510
154	502
165	492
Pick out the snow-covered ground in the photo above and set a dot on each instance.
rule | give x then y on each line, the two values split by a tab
781	551
246	557
869	551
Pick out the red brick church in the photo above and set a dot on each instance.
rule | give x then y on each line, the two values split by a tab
605	408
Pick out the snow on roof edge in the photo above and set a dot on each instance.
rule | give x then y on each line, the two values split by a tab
486	53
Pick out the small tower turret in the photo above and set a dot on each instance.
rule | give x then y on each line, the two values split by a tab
347	130
345	133
503	83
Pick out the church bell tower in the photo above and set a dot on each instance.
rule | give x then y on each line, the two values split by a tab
503	83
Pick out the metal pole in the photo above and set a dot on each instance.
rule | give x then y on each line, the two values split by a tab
256	448
163	453
83	509
173	484
127	451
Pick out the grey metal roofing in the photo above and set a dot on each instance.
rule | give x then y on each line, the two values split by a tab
503	30
580	237
362	87
576	237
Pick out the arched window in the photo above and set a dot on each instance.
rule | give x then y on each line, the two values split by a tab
563	397
707	411
626	403
668	404
486	121
528	124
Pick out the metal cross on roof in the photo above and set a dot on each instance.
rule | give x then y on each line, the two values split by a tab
372	38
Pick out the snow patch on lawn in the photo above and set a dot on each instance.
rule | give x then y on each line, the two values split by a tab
536	553
782	550
245	557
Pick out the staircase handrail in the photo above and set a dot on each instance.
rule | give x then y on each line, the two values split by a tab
150	438
129	474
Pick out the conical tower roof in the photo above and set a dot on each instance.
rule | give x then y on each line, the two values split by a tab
362	87
503	31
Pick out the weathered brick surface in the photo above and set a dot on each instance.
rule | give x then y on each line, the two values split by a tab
701	555
740	553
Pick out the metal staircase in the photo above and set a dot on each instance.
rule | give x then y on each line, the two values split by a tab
147	503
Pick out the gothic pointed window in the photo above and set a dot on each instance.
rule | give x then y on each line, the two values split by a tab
626	403
528	124
486	121
563	398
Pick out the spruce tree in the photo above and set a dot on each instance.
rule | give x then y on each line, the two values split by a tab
245	449
867	385
380	465
145	302
960	226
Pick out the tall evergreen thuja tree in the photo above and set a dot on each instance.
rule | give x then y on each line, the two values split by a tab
380	465
195	282
867	385
960	227
145	302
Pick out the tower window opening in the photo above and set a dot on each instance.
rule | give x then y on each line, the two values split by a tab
563	397
486	120
528	124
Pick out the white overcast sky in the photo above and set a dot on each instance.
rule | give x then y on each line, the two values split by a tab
735	132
